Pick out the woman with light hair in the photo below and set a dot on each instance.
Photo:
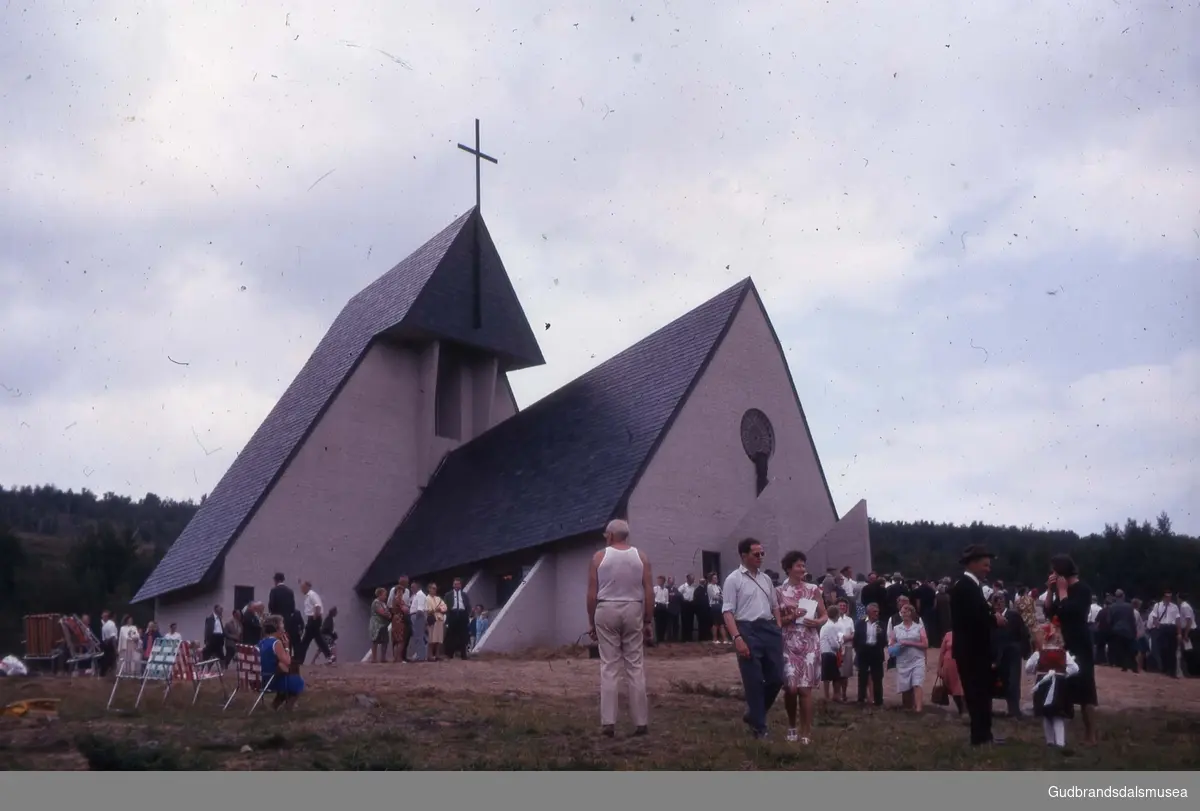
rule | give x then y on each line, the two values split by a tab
908	645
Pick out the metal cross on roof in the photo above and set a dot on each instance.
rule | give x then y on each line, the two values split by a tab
478	153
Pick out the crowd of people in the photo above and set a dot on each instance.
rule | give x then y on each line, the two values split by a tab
282	633
419	625
794	633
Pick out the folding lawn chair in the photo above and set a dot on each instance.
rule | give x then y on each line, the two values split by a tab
43	638
160	667
128	669
249	675
189	668
82	645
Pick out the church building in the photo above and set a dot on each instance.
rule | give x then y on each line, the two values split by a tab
399	449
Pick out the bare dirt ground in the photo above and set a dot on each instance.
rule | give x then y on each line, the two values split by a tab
539	711
572	674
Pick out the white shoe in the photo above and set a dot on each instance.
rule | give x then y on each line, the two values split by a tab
792	736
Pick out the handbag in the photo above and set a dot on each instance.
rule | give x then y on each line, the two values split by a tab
939	695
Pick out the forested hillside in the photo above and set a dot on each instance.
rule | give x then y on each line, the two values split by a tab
69	552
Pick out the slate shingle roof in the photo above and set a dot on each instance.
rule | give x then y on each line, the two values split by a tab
563	466
425	292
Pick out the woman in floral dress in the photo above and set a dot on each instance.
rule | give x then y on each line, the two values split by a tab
377	626
801	644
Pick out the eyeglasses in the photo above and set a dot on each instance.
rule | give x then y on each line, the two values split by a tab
758	554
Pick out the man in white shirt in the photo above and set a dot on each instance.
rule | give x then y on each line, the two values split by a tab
417	607
314	614
173	633
751	612
849	584
833	637
687	621
108	642
662	617
870	642
458	620
214	635
1188	637
1165	632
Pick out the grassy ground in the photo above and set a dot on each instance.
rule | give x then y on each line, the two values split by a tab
695	725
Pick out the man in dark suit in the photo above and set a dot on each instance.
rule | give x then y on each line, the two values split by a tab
973	621
874	592
1008	642
281	602
458	620
870	641
895	590
214	636
1122	626
675	611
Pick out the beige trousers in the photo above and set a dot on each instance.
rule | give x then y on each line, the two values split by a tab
619	637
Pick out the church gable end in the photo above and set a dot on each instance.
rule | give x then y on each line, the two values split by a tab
446	306
563	466
739	446
386	310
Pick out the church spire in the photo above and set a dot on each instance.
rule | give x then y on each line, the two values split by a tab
477	274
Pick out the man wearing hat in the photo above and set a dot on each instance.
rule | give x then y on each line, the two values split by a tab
972	620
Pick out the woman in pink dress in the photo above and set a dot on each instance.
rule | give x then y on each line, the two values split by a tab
801	644
948	671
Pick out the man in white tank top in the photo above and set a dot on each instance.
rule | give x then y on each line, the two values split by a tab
620	605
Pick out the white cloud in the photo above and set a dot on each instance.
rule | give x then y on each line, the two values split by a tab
164	158
1012	447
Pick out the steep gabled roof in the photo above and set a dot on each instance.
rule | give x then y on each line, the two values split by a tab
563	466
423	295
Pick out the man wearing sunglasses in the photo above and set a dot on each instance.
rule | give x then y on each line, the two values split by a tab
751	613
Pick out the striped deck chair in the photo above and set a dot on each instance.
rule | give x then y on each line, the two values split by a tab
160	666
82	645
43	638
248	662
189	668
128	669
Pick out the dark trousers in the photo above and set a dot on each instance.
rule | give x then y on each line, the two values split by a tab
662	623
214	648
687	621
762	672
1100	647
870	666
1009	666
1121	653
977	694
1191	658
408	634
294	627
704	615
458	622
1166	641
312	633
108	657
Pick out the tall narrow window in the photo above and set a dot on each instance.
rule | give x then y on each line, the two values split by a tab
242	597
448	399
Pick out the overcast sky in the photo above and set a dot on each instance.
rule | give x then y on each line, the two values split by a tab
975	225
